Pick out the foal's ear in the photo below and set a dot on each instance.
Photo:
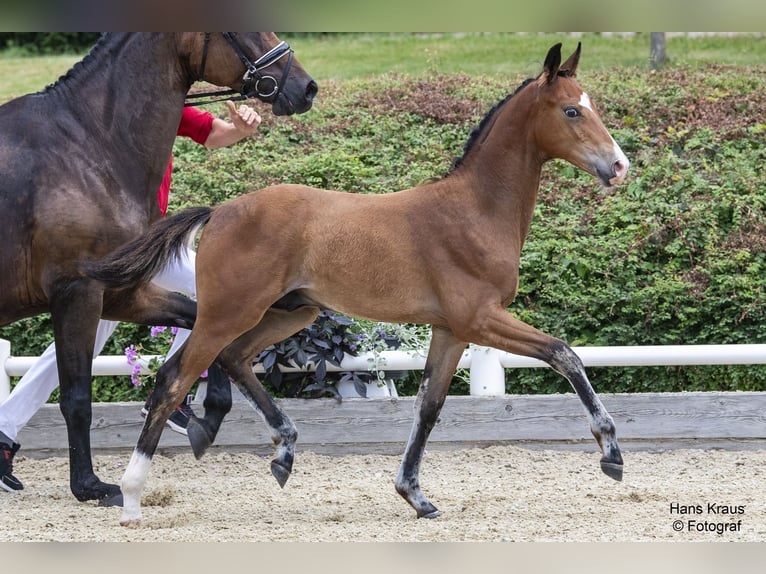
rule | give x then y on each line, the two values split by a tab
552	61
569	68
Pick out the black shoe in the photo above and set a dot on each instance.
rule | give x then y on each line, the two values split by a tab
7	480
180	417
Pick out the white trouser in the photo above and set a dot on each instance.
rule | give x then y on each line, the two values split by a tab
35	387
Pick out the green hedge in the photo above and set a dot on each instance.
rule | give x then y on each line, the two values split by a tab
37	43
675	255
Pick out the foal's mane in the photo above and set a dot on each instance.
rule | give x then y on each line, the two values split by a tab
478	130
75	70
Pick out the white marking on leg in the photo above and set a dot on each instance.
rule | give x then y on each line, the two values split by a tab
133	482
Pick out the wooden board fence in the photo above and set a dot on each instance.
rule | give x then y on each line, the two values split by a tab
735	420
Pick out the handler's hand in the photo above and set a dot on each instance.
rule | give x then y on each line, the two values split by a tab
246	119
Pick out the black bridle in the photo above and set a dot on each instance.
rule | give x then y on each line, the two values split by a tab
254	84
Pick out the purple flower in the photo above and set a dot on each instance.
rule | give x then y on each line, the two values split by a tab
131	354
157	330
174	330
134	375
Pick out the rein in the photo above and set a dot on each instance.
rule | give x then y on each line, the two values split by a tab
254	84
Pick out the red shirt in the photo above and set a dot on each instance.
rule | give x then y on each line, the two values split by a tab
195	124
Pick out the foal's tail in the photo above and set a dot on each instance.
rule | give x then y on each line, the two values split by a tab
141	259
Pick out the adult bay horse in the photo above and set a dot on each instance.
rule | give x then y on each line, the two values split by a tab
80	165
269	261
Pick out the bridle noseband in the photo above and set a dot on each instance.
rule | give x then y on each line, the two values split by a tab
254	84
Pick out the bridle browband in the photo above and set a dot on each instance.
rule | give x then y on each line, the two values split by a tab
254	83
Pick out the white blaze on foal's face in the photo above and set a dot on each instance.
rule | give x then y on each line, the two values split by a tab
585	101
621	162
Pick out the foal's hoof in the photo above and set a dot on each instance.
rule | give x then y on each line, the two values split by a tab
612	470
280	473
199	437
432	514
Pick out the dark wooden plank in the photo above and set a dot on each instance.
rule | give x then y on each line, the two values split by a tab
729	420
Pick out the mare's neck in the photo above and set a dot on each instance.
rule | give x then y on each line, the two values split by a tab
128	93
131	86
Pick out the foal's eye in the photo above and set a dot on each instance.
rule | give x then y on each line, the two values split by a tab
572	112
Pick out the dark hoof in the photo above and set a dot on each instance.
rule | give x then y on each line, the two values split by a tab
199	437
612	470
113	500
280	473
432	514
103	493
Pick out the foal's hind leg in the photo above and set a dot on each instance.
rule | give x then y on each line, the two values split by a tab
237	358
443	356
174	379
217	403
151	304
502	331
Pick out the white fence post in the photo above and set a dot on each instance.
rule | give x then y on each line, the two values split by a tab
487	375
5	379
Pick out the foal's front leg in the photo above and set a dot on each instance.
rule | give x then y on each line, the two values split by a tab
502	331
443	356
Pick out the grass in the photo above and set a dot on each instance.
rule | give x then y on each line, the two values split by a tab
24	74
354	56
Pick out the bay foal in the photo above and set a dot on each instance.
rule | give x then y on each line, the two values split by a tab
445	254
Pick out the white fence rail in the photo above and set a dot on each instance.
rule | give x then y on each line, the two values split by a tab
486	365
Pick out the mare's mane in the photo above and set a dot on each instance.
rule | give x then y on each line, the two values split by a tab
75	70
478	130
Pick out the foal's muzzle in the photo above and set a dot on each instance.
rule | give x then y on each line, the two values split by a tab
614	171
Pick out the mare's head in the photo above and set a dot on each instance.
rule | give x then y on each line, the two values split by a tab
256	64
567	125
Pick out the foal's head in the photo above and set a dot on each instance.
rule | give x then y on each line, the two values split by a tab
567	124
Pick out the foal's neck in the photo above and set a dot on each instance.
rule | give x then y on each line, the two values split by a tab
502	172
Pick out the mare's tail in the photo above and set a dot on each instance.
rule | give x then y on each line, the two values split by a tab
141	259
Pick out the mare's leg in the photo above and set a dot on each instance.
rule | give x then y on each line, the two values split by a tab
443	356
502	331
75	311
237	358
